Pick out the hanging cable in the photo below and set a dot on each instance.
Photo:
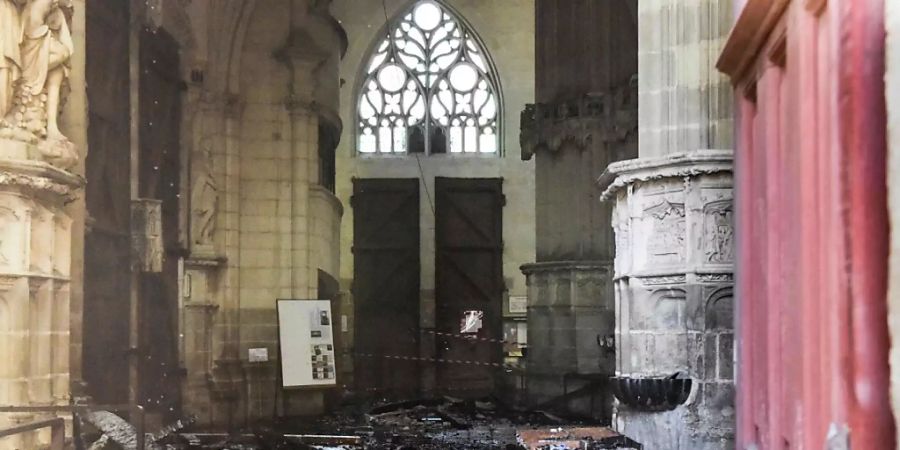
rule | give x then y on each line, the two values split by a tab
393	52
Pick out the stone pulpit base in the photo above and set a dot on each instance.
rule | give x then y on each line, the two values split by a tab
35	274
673	219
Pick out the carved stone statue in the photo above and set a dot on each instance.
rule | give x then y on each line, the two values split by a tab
44	50
204	198
10	59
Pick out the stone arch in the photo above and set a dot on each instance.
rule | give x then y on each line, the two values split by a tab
227	21
173	17
719	311
669	308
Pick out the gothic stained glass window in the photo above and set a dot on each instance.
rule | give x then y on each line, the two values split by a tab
428	87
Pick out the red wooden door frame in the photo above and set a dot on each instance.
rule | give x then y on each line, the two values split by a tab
812	222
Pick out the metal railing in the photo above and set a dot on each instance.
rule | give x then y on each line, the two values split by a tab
136	418
57	431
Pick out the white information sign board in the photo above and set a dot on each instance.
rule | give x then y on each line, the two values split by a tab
518	305
307	343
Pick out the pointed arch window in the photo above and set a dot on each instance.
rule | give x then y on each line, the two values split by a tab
428	87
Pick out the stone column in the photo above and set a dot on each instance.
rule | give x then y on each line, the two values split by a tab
38	207
685	103
570	296
303	57
585	118
672	214
213	265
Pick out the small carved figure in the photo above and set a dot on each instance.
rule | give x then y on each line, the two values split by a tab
37	72
46	50
204	198
720	233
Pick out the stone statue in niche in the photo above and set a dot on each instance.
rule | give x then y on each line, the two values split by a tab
35	76
719	229
667	240
204	198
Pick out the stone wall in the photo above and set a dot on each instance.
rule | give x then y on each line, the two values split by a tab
266	93
507	30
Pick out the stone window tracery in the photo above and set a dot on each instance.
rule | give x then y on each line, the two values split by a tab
428	87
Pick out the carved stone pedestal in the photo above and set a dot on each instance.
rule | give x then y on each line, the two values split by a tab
673	287
35	262
198	309
570	317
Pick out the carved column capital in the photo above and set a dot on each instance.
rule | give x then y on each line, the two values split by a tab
302	56
595	118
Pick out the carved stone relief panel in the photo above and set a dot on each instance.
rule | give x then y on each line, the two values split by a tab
14	234
204	201
718	220
62	255
667	234
621	222
146	235
42	240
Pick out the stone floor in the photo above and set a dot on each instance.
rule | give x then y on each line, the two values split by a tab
444	423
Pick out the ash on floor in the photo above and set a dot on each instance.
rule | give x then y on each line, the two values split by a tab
437	424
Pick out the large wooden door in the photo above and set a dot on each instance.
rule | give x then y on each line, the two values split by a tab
160	172
468	277
107	275
386	285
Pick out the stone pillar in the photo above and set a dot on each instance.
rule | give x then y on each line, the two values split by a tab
685	103
35	272
303	56
211	276
38	206
585	118
570	296
674	238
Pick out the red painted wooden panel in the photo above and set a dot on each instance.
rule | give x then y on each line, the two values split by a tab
812	224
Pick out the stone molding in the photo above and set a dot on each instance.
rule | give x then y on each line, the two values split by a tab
300	105
689	164
754	24
565	266
595	118
320	191
40	177
201	261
